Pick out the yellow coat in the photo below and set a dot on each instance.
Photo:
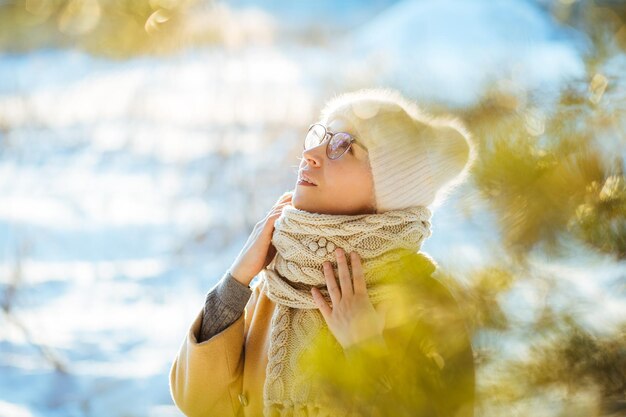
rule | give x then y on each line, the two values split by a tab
207	379
224	376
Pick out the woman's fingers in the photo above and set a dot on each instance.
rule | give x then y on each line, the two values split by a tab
344	273
331	283
278	208
346	290
321	303
358	279
258	250
273	214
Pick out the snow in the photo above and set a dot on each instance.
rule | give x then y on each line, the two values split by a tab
128	187
451	50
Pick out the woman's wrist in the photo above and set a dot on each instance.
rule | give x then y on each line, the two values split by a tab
241	278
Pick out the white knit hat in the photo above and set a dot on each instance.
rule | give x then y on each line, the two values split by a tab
416	158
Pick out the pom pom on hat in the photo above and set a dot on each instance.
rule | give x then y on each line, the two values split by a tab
416	158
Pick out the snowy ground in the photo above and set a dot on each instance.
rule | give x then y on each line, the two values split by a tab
127	188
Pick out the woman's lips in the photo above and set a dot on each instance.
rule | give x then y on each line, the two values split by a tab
307	184
304	178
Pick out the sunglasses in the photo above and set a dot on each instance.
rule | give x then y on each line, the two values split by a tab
338	144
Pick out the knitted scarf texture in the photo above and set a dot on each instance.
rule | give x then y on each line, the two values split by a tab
304	240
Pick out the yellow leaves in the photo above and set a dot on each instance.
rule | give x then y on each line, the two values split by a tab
123	28
583	212
535	122
597	87
38	10
613	188
494	280
156	20
79	16
427	346
164	11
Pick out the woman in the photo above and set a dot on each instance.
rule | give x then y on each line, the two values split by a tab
345	318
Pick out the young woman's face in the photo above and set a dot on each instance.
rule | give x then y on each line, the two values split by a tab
343	186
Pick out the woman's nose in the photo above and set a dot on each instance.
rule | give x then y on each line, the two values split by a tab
315	154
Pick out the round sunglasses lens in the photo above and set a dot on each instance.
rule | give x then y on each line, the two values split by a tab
314	137
338	145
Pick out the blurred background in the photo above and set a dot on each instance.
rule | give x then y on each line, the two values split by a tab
141	140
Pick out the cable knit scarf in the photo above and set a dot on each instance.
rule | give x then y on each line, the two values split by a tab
304	240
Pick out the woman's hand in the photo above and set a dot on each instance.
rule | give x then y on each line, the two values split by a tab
352	318
258	251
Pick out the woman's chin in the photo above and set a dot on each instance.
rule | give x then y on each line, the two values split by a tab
300	201
295	200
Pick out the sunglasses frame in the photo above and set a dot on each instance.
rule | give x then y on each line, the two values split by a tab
327	133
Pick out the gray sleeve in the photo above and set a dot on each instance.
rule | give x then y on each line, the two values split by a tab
224	304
